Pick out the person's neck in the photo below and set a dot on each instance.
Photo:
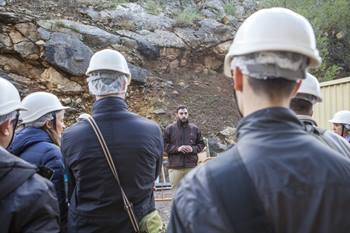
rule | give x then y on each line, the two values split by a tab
256	103
3	144
106	96
303	114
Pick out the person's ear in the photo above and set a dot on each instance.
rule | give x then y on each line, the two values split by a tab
5	128
48	124
237	79
296	88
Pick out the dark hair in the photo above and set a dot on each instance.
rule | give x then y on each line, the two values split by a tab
180	107
301	107
273	88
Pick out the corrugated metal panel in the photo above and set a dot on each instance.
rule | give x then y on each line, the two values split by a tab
336	97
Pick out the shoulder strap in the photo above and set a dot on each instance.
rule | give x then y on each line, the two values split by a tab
238	197
127	204
15	179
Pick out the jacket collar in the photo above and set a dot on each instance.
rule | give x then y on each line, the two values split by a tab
307	120
109	104
27	137
268	119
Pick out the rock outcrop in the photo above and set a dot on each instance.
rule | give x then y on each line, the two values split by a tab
50	48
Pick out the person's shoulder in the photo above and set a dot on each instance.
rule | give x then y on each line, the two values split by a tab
78	129
196	196
37	185
33	189
330	159
197	180
8	160
46	147
144	122
193	126
193	189
33	186
336	137
171	125
52	153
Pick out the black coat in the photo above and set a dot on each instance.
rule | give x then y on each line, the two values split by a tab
176	135
27	201
304	186
136	146
330	139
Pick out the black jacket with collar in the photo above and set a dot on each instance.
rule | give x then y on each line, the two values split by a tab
327	137
136	146
28	201
176	135
303	185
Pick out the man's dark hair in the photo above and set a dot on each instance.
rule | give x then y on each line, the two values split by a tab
272	88
180	107
301	107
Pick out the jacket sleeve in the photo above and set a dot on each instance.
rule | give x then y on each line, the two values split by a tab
168	147
160	155
39	212
194	208
55	162
337	143
199	143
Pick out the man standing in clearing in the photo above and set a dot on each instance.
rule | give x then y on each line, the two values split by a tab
277	178
302	104
183	141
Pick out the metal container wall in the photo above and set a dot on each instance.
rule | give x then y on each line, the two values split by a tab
336	97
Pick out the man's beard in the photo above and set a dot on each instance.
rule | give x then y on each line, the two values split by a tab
183	121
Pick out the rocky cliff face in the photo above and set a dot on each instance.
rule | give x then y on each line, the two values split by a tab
175	51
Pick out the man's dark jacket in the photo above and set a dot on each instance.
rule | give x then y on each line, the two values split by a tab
136	146
176	135
35	146
304	186
330	139
27	201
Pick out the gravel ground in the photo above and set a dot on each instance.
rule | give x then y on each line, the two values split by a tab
163	204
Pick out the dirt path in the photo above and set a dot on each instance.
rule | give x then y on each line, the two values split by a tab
164	206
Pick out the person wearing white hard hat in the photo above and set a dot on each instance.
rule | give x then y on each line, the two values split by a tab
27	200
302	104
341	124
136	148
39	140
277	177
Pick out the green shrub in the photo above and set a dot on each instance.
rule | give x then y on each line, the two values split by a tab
115	3
153	7
328	18
187	16
230	8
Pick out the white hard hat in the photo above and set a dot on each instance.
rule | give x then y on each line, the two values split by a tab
311	86
341	117
108	59
9	98
274	29
39	104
